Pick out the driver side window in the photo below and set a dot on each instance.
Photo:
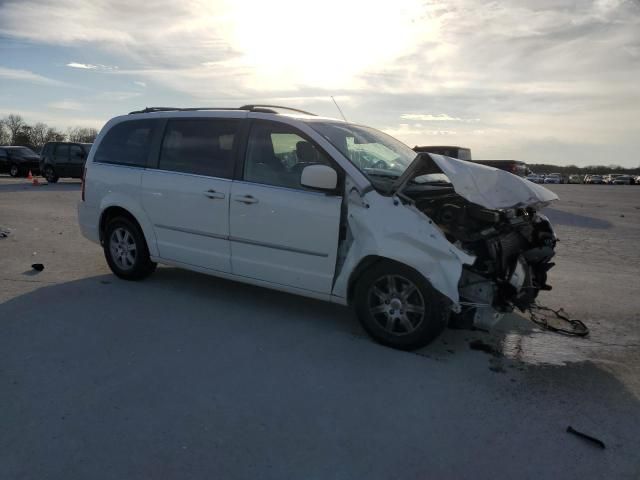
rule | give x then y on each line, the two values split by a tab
276	155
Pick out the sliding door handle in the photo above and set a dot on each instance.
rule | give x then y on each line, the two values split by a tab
248	199
213	194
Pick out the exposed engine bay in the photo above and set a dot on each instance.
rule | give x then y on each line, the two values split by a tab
513	245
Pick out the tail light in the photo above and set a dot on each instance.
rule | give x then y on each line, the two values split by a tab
84	174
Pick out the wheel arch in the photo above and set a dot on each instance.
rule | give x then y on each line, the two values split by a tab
112	212
366	263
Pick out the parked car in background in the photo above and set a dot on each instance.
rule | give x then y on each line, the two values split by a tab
63	159
575	179
563	178
535	178
610	178
276	200
553	178
595	180
18	161
622	180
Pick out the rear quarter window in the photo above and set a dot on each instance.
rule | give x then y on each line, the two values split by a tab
127	143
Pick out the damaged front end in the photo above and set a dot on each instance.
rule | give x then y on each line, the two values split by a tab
494	216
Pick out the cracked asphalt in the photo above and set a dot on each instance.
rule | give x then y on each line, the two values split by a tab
189	376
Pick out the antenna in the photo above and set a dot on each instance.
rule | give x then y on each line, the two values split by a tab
338	107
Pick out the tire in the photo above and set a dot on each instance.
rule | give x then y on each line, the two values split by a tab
50	174
14	170
398	307
132	263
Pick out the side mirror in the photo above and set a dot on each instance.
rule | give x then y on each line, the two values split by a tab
319	176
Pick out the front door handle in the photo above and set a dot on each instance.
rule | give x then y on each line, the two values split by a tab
245	199
213	194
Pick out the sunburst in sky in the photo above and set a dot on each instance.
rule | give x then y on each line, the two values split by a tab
537	80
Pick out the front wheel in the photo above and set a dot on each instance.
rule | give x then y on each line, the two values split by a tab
14	170
50	175
125	249
398	307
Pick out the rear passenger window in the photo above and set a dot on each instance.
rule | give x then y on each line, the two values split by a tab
127	143
199	146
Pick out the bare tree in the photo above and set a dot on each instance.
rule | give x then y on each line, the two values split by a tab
14	124
4	134
38	135
54	135
81	134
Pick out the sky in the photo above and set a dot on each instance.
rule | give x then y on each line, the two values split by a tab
544	81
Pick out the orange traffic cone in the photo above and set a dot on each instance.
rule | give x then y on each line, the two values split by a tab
29	177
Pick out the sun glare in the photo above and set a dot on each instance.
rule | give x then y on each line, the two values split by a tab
289	43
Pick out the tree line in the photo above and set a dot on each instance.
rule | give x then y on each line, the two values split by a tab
14	130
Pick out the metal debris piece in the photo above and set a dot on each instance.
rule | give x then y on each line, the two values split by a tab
597	441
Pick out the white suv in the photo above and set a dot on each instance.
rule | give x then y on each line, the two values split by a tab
317	207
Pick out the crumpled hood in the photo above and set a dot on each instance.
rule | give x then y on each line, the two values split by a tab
491	187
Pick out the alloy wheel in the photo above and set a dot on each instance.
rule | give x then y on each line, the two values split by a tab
123	248
396	304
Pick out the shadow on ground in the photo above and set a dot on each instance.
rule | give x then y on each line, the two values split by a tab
185	376
47	187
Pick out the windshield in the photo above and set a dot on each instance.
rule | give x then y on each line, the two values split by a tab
373	152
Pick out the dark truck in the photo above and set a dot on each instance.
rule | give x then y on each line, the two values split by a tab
512	166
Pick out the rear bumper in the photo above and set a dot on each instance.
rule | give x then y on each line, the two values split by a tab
88	221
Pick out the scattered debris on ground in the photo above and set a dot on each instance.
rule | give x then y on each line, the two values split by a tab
557	321
594	440
38	267
4	232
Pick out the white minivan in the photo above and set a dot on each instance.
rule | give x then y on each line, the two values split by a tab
319	207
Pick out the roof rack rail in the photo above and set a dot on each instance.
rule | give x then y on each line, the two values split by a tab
267	109
249	108
178	109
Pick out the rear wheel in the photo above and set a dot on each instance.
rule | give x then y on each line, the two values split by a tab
14	170
126	251
398	307
50	175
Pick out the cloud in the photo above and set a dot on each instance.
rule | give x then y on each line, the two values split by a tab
114	96
84	66
507	74
66	104
28	76
89	66
441	117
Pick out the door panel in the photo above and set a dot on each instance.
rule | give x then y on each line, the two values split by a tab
280	231
187	198
190	217
284	236
61	159
76	161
